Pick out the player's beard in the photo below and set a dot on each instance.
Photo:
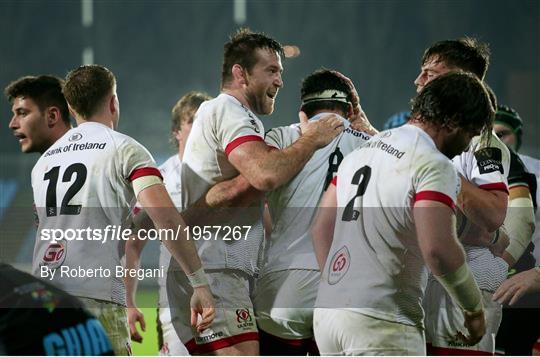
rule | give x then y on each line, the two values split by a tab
261	104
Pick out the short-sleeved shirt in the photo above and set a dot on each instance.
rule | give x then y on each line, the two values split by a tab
82	186
375	265
220	126
486	165
293	206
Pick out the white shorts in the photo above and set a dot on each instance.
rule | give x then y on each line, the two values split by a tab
444	318
234	320
113	317
343	332
170	344
284	301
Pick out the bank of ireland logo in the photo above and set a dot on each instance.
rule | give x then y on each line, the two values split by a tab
339	265
75	137
55	254
243	315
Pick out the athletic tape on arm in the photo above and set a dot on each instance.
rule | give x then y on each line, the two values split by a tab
519	223
462	288
140	183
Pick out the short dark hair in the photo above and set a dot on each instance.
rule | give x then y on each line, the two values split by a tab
467	54
318	82
241	48
86	87
184	110
455	100
44	90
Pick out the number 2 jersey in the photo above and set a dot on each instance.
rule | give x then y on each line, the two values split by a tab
293	205
82	189
374	265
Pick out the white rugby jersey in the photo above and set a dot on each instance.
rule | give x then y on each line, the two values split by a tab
219	126
294	205
81	182
375	265
487	167
533	166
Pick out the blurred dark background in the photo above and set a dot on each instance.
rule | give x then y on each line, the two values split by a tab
159	50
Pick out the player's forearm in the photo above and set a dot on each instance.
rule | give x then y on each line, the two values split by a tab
236	192
520	225
278	167
322	233
160	208
219	204
182	249
133	257
485	208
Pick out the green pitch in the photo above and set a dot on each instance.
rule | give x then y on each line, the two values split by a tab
147	300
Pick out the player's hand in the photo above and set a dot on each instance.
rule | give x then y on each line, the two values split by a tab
475	323
321	131
134	315
202	303
498	248
517	286
359	120
361	123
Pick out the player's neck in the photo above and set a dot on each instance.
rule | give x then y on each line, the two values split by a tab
436	133
238	94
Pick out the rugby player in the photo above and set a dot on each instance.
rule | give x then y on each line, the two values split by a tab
88	178
40	112
483	199
395	200
227	139
287	286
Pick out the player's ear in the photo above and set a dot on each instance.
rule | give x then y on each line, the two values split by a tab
52	115
112	104
239	74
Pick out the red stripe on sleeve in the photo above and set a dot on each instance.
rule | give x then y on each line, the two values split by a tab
144	171
435	196
239	141
334	181
499	186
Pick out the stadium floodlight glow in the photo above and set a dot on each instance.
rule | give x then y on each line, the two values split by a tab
291	51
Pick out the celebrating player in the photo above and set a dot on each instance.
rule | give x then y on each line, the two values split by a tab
287	287
396	197
227	139
483	170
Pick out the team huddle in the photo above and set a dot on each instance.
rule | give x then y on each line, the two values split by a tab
347	240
